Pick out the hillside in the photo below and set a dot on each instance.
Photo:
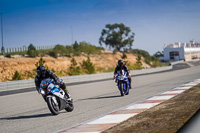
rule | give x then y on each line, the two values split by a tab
25	65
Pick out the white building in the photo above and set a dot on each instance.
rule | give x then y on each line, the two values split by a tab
182	51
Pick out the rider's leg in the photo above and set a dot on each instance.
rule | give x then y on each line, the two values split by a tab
64	88
130	82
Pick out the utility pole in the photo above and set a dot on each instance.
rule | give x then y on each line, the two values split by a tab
72	35
2	48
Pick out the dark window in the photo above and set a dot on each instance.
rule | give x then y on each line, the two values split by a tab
172	54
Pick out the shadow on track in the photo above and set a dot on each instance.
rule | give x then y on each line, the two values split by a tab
26	117
103	97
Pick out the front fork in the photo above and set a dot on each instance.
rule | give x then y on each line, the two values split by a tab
119	84
53	98
124	85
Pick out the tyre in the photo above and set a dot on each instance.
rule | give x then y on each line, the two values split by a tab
70	108
53	107
127	89
121	89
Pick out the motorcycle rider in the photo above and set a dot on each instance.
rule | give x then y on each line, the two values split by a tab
121	65
43	73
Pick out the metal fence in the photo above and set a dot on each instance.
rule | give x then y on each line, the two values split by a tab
25	48
22	84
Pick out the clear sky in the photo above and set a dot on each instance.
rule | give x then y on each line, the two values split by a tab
50	22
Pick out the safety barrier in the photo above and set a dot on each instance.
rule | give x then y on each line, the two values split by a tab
22	84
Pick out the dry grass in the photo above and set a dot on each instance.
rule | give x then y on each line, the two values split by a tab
25	65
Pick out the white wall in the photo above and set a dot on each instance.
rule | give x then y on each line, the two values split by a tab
168	50
192	50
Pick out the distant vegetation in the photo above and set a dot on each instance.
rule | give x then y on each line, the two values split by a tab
32	52
41	62
124	56
59	50
17	76
75	50
74	68
86	67
150	60
138	64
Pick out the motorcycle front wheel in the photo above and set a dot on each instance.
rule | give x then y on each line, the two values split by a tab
121	88
53	107
127	89
70	107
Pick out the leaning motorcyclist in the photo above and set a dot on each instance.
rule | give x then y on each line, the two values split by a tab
121	65
43	73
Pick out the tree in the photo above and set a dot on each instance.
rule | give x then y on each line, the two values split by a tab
60	50
74	69
41	62
17	76
138	64
32	51
88	67
116	36
76	49
124	56
144	54
159	54
75	46
53	54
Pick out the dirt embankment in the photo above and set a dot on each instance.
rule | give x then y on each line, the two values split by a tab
167	117
25	65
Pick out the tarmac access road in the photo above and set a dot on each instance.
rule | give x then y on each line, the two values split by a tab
193	125
27	112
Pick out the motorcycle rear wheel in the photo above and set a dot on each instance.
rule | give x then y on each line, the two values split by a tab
52	106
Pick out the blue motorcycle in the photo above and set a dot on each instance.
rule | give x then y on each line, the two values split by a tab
55	97
122	82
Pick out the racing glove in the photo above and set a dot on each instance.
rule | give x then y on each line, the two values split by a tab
114	76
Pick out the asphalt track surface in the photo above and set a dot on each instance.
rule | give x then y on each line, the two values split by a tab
27	112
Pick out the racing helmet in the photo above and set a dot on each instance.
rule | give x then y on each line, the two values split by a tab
41	71
120	63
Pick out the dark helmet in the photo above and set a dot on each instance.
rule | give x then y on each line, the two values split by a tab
120	63
41	71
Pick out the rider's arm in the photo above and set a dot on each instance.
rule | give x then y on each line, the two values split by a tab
126	69
116	69
53	76
115	72
37	83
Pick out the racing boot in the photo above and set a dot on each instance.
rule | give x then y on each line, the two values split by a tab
130	79
130	86
67	94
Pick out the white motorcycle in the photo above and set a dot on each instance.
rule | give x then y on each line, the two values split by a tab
55	97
